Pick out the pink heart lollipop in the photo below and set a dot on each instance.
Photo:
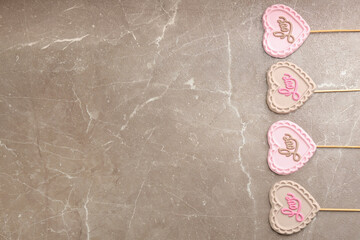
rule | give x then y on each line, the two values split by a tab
290	147
285	31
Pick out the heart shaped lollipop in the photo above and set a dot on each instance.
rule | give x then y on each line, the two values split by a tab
290	147
292	207
289	87
285	31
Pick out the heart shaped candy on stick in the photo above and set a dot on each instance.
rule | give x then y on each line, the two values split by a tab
286	31
289	87
291	147
292	207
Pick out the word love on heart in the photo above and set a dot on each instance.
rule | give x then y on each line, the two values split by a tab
294	207
286	79
285	30
291	147
291	86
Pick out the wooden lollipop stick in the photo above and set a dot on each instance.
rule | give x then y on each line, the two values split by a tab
337	90
339	210
335	30
334	146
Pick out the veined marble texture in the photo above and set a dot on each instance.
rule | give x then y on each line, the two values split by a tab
140	119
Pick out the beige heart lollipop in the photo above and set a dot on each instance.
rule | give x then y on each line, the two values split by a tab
289	87
292	207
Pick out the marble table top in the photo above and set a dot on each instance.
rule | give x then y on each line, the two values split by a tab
139	119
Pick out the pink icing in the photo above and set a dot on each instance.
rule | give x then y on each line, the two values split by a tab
280	162
294	207
278	45
291	86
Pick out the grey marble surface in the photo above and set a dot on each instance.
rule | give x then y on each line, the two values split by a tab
148	120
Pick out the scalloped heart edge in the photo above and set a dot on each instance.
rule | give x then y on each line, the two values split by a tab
275	206
272	85
271	143
267	31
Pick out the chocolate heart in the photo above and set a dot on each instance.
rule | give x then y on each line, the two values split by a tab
292	207
290	147
285	31
289	87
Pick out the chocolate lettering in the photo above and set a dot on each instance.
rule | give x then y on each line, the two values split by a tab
285	30
291	148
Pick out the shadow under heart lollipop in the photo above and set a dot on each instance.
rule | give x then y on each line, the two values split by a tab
286	31
289	87
290	147
292	207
